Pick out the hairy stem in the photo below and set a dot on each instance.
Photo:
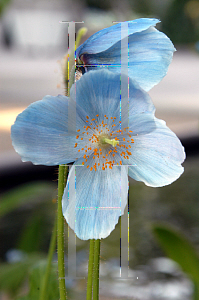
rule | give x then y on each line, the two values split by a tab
60	232
96	270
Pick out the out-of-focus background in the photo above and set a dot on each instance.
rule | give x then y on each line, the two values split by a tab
33	43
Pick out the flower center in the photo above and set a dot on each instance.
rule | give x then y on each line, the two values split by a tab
104	142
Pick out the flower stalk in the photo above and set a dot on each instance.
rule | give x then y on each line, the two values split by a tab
90	270
93	270
96	270
60	232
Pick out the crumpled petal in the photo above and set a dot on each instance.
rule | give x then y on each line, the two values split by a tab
150	54
105	38
157	157
93	201
40	133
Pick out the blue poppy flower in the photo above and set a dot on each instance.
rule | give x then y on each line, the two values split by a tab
150	51
102	150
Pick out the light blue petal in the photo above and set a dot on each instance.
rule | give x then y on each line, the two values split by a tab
157	157
40	133
150	67
99	93
150	54
93	206
105	38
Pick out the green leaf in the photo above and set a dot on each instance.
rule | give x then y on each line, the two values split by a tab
26	193
33	234
36	277
178	248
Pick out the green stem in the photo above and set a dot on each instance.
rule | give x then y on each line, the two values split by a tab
90	271
96	270
60	233
44	287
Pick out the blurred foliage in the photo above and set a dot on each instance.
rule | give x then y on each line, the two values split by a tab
12	275
181	22
32	234
140	6
35	280
3	4
27	216
29	193
103	4
179	249
33	208
177	204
